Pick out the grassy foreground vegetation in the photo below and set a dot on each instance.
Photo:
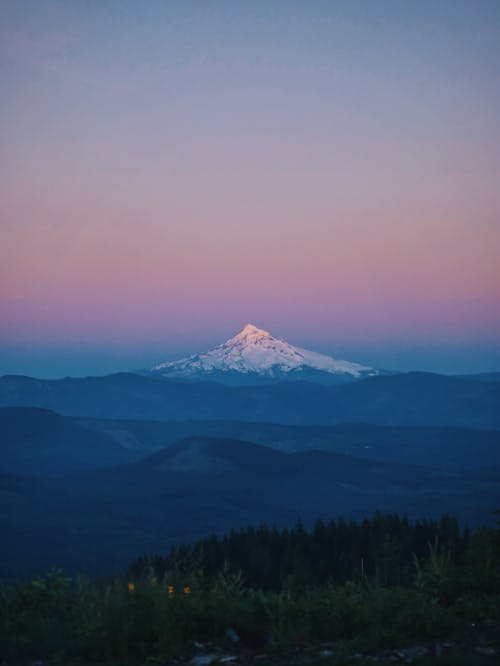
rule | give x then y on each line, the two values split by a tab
208	593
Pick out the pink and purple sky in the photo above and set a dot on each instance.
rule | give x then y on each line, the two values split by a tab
169	171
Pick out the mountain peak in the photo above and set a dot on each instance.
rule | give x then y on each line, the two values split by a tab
254	352
251	332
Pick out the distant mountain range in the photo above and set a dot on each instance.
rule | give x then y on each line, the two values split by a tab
254	356
412	399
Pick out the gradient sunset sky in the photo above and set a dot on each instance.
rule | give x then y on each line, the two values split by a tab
169	171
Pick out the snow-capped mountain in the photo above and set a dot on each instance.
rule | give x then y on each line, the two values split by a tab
254	354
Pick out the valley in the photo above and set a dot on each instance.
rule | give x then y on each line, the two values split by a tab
90	495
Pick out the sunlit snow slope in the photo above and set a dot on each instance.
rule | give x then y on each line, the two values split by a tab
254	351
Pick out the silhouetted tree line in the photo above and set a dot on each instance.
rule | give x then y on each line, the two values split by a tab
380	583
385	548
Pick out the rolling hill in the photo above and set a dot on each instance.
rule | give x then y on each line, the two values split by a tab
98	521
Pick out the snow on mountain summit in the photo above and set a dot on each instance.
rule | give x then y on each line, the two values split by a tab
254	351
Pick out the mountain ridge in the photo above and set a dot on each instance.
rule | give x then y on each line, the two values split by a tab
413	399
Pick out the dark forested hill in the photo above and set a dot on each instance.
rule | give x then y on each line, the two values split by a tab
39	442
